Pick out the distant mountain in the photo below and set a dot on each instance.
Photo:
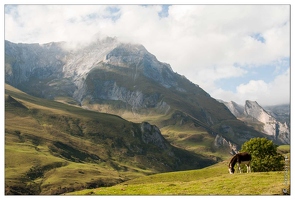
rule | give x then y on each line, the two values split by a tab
236	109
275	122
280	112
127	80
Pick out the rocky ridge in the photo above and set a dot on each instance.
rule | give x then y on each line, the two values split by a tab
278	130
114	77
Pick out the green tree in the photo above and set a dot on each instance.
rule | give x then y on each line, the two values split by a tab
264	155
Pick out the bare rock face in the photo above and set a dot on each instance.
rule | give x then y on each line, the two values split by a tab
152	135
222	142
277	130
136	56
24	61
272	127
235	109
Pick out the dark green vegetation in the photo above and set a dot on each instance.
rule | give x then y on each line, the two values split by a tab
213	180
53	148
265	156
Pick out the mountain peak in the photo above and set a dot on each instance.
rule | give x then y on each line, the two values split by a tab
125	53
253	109
139	60
236	109
249	102
270	125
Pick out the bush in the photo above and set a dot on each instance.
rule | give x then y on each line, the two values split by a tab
264	155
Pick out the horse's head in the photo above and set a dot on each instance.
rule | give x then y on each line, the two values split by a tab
231	170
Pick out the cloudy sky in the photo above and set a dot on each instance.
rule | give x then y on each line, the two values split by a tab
234	52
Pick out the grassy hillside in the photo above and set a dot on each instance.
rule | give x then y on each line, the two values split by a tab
213	180
53	148
44	152
187	116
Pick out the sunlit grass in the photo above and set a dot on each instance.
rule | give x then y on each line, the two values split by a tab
193	139
33	127
213	180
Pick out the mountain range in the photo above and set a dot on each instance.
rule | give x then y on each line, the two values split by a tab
118	78
116	105
272	120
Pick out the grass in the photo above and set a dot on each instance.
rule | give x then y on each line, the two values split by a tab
193	105
195	139
183	134
213	180
36	164
284	149
53	148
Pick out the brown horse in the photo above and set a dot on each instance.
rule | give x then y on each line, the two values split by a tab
240	158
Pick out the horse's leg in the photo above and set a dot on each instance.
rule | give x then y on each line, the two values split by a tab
248	167
239	167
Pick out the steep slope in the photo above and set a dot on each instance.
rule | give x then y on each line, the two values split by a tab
51	148
280	112
126	80
236	109
277	130
37	69
264	121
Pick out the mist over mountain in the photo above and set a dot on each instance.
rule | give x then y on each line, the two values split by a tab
123	79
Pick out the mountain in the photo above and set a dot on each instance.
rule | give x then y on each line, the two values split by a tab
280	112
275	122
52	148
236	109
126	80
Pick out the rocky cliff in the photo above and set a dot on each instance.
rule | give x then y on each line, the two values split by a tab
278	130
235	109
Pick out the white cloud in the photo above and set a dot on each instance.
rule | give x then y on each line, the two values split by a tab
210	75
202	42
275	92
47	23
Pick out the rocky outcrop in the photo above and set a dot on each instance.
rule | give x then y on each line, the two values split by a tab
278	130
152	135
235	109
137	57
280	112
220	141
26	61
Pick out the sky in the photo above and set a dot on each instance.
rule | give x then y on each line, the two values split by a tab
234	52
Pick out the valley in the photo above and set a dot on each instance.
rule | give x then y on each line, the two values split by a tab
110	114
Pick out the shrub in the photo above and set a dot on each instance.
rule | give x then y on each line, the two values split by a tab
264	155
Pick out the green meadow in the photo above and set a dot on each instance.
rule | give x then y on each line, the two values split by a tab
213	180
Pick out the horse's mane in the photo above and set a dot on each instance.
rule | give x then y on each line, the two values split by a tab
233	160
